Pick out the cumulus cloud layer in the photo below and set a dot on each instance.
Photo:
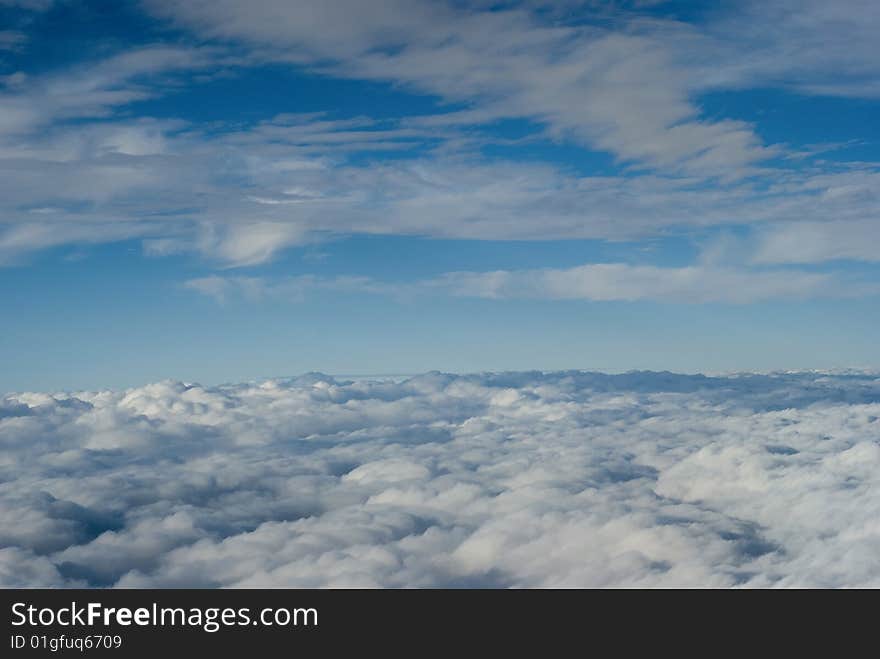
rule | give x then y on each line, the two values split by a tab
513	479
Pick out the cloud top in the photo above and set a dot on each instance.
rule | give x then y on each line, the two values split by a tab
505	479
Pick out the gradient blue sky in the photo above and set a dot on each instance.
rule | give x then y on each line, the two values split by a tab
220	190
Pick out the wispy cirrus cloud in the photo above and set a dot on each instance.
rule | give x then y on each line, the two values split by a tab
163	184
697	284
240	193
29	5
11	39
815	242
93	90
811	46
586	82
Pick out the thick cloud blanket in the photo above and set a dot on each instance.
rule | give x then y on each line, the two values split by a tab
512	479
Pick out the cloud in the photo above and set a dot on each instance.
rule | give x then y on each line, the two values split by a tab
619	281
813	242
239	194
291	289
589	79
29	5
507	479
595	282
811	46
583	81
94	89
245	243
240	197
11	40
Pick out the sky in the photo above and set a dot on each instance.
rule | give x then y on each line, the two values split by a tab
219	191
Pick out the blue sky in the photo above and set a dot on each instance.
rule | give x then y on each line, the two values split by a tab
220	190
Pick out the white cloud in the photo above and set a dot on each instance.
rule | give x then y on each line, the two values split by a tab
619	281
294	289
597	282
239	195
248	243
511	479
243	196
591	80
585	82
813	242
94	89
811	46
